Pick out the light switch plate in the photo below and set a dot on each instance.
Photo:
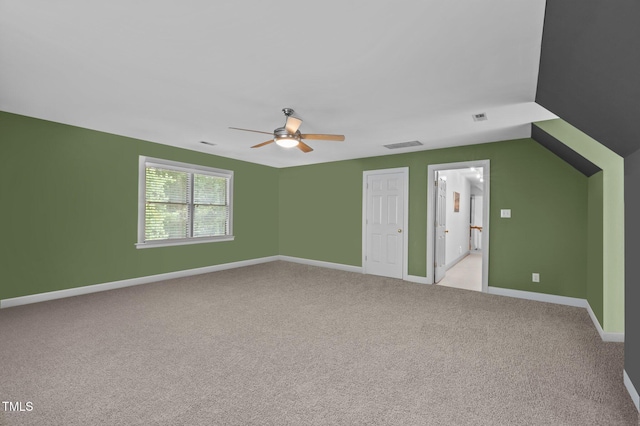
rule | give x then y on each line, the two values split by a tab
505	213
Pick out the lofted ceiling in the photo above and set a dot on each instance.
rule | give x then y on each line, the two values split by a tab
178	73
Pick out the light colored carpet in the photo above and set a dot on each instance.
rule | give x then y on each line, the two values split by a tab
288	344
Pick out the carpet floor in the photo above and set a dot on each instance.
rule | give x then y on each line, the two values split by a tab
288	344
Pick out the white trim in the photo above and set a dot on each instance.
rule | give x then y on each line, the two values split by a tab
191	169
323	264
405	248
184	241
417	279
605	336
539	297
559	300
631	389
486	198
77	291
95	288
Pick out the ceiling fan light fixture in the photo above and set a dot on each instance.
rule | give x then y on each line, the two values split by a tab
286	141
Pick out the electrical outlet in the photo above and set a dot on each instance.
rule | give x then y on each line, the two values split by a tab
535	277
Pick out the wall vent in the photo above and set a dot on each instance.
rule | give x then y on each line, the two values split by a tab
403	145
207	143
480	117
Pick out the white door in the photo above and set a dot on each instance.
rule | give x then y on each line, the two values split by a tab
441	229
385	224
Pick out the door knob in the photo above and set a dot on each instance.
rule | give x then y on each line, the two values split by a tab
399	231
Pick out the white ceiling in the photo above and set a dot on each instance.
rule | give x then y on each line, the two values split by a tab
178	73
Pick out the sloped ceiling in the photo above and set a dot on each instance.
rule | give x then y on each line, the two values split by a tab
179	73
590	69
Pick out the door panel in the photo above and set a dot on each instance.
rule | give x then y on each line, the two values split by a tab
376	248
385	225
392	249
440	228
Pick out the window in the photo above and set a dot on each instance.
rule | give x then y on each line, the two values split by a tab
183	203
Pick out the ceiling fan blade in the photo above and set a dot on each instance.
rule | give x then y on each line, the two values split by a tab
292	125
248	130
323	137
263	144
304	147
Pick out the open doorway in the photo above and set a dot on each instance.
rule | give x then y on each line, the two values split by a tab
458	225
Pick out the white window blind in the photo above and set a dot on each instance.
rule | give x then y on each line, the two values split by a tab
182	203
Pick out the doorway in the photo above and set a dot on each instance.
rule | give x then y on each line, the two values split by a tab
458	224
384	222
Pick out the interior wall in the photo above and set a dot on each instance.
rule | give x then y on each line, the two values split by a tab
457	239
595	270
588	76
70	209
321	213
612	166
632	268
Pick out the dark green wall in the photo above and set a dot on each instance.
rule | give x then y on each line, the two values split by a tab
69	209
321	213
595	272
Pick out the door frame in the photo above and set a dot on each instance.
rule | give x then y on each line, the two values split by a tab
486	174
405	230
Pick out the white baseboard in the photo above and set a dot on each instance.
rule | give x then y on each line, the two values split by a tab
631	389
343	267
77	291
540	297
323	264
605	335
559	300
417	279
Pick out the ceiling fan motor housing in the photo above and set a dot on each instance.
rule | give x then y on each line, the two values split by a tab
281	132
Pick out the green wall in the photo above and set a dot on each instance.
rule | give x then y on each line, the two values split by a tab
613	253
595	269
69	209
321	213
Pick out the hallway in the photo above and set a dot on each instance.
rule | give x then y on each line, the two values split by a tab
466	274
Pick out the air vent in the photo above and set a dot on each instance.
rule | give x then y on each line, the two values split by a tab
403	145
207	143
480	117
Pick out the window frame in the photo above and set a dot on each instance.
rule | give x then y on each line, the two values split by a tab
143	163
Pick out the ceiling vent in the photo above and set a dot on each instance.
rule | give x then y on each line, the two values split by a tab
480	117
403	145
207	143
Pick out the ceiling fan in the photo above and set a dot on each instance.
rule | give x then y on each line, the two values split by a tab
289	136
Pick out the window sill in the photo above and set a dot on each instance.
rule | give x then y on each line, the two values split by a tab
183	242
